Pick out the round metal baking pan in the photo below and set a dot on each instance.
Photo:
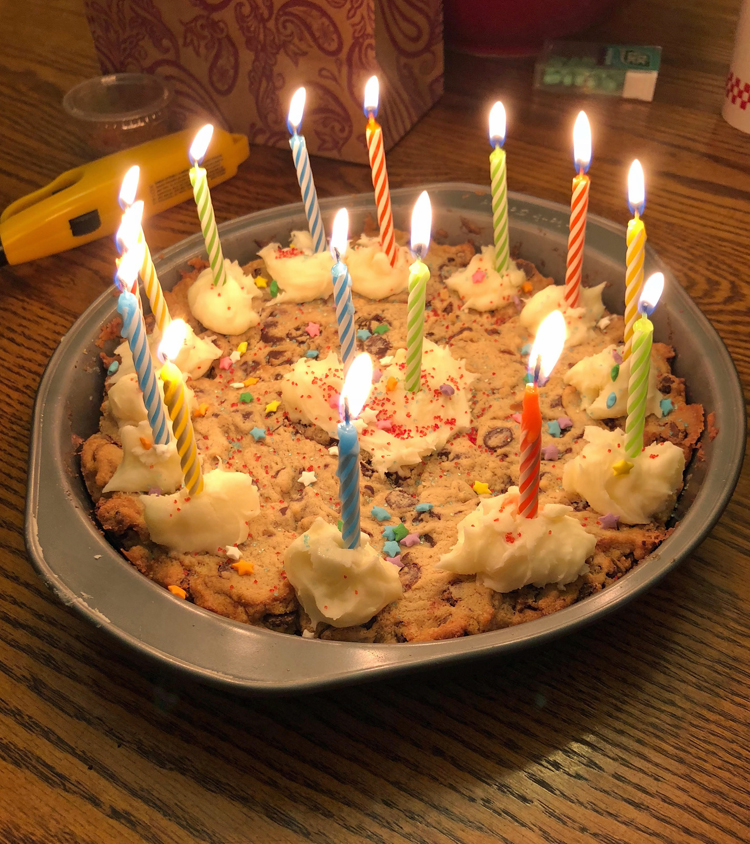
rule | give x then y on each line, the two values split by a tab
89	575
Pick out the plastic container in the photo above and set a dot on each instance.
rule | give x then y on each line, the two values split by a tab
120	110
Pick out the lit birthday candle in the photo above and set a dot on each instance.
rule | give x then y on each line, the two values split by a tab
640	366
376	151
342	288
353	397
176	401
134	331
499	188
548	345
579	204
148	270
304	171
199	181
636	251
419	275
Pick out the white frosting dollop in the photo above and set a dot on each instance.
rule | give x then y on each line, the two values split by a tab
648	490
371	271
301	274
579	321
126	399
226	308
507	551
194	359
420	423
592	377
337	585
216	517
145	464
493	290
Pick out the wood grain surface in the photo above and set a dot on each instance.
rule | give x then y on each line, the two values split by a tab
635	729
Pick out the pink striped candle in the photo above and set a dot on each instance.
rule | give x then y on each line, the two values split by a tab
376	151
579	204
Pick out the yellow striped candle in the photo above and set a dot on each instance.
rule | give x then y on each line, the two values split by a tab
421	223
176	401
199	181
636	250
640	366
130	231
499	189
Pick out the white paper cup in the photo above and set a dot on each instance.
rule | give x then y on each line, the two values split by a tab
736	109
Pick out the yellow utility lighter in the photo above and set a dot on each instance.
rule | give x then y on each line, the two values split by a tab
81	205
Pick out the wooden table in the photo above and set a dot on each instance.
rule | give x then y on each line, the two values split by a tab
635	729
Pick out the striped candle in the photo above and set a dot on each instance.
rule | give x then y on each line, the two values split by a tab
579	204
134	331
354	394
342	289
304	172
531	453
640	366
153	288
147	272
499	189
636	252
199	181
548	345
419	275
376	152
176	401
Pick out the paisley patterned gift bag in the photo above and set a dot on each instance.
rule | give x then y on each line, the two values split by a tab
238	62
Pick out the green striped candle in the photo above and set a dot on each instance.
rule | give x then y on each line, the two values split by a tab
499	189
199	181
421	223
640	366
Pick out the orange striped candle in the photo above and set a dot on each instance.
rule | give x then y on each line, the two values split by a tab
636	251
579	204
548	345
376	151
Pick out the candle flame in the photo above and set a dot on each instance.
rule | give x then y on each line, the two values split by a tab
357	385
372	97
582	142
130	264
130	227
651	293
636	188
421	225
548	345
200	144
296	110
340	234
497	124
129	187
172	340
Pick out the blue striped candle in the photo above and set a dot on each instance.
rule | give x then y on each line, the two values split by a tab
342	289
354	394
304	172
348	475
134	330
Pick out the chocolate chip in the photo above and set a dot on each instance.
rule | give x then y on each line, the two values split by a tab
265	332
460	332
555	401
247	415
428	539
498	438
283	511
409	574
610	424
399	500
449	597
366	469
665	385
448	309
278	357
378	345
529	270
369	489
578	504
287	622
